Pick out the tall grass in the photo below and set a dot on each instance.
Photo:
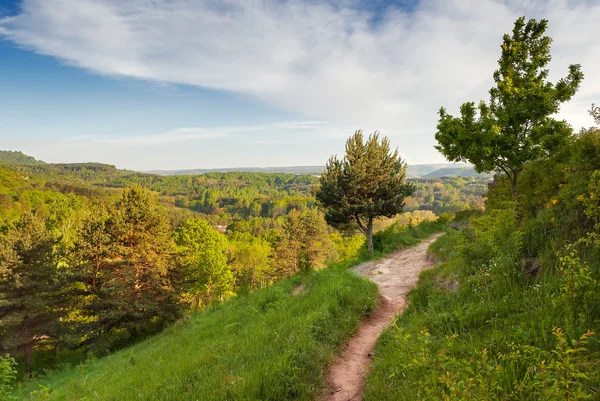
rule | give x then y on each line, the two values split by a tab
268	345
484	324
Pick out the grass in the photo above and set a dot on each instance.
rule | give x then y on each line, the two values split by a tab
268	345
478	327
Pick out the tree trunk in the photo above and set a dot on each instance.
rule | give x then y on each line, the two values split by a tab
27	350
27	344
513	189
513	186
370	235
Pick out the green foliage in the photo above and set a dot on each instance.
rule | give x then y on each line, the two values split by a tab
269	345
304	244
250	261
516	126
595	113
14	157
207	277
31	287
367	183
483	323
577	286
399	236
8	374
124	260
561	377
447	194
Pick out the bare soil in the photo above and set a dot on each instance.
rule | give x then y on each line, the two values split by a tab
396	274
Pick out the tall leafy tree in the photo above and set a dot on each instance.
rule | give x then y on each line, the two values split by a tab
205	276
31	288
516	126
367	183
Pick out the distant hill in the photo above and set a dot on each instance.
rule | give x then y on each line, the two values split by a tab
312	170
455	171
421	170
16	157
413	171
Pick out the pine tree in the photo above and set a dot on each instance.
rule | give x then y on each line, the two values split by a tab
368	182
304	244
31	288
126	260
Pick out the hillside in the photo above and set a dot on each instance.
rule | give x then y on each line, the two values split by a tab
413	171
16	157
310	170
273	344
455	172
270	345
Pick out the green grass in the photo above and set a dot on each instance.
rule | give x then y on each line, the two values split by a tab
478	327
268	345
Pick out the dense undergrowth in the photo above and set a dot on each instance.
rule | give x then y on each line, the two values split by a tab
268	345
512	310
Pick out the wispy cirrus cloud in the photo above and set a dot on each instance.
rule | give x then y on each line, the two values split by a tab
325	60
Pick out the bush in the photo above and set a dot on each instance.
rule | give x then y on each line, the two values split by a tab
8	373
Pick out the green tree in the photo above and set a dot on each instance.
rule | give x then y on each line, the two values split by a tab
367	183
304	244
31	288
126	259
205	276
516	126
250	260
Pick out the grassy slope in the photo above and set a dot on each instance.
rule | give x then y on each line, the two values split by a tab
270	345
479	328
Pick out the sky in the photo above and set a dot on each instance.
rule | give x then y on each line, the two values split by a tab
176	84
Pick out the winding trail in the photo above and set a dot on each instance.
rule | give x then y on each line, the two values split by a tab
396	274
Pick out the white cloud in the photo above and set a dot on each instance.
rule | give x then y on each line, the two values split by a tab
326	62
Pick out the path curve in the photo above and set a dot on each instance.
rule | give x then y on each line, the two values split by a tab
396	274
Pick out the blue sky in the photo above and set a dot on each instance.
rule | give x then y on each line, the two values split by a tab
177	84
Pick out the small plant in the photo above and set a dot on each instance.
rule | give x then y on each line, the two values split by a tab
578	286
561	377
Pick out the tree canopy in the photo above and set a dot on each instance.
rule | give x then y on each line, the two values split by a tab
368	182
516	126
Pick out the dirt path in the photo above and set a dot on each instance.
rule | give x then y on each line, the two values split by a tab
395	274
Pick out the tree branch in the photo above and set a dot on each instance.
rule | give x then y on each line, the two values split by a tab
361	225
505	170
